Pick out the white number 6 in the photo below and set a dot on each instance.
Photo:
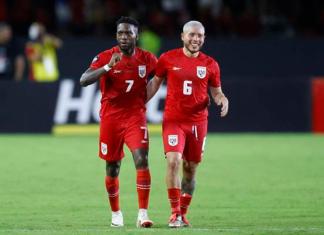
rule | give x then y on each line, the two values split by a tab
130	84
187	89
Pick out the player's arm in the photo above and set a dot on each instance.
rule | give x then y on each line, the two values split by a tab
90	76
220	99
153	86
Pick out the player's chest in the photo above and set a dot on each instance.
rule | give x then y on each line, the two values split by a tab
129	70
196	72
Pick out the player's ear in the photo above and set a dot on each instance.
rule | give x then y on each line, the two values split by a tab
137	34
182	35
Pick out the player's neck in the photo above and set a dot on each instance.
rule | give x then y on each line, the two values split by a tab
129	52
189	53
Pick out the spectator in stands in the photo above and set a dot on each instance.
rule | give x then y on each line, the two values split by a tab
41	54
12	63
229	18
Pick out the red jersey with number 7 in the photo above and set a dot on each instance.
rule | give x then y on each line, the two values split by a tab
123	88
188	80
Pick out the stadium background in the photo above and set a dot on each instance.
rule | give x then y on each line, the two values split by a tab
271	54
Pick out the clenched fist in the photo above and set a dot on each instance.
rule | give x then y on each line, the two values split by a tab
116	57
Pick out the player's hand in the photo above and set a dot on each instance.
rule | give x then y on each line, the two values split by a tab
116	57
223	101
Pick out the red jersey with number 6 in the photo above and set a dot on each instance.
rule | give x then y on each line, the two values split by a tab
123	88
188	80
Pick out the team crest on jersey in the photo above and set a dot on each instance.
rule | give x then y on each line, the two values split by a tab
173	140
142	71
201	72
104	149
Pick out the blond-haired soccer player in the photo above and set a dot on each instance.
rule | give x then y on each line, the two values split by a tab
189	73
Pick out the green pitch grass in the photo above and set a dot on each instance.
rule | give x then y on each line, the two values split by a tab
247	184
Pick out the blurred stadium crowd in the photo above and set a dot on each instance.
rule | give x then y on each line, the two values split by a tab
223	18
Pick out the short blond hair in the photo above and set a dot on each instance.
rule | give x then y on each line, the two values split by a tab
192	23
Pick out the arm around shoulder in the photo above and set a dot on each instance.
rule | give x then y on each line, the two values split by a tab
153	86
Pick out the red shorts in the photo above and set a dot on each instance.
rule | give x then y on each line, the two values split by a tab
185	138
114	132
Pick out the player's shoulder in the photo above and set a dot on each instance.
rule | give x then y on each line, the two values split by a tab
108	52
171	53
208	59
144	53
105	55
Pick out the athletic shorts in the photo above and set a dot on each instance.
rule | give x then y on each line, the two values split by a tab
185	138
114	132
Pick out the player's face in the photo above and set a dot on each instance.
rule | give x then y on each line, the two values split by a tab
193	39
126	37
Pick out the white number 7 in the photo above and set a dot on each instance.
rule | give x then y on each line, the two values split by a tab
145	132
130	84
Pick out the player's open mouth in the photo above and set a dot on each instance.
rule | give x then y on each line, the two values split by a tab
194	45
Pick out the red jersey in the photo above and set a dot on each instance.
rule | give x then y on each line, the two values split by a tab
188	80
123	88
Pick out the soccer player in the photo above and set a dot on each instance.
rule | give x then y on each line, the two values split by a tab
123	71
189	73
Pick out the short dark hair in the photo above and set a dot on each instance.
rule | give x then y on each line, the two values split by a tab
127	20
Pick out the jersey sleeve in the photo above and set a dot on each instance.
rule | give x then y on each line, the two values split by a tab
152	64
161	68
98	61
214	78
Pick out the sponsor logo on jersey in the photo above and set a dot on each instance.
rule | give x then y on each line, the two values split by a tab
104	149
175	68
117	71
173	140
142	71
201	72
